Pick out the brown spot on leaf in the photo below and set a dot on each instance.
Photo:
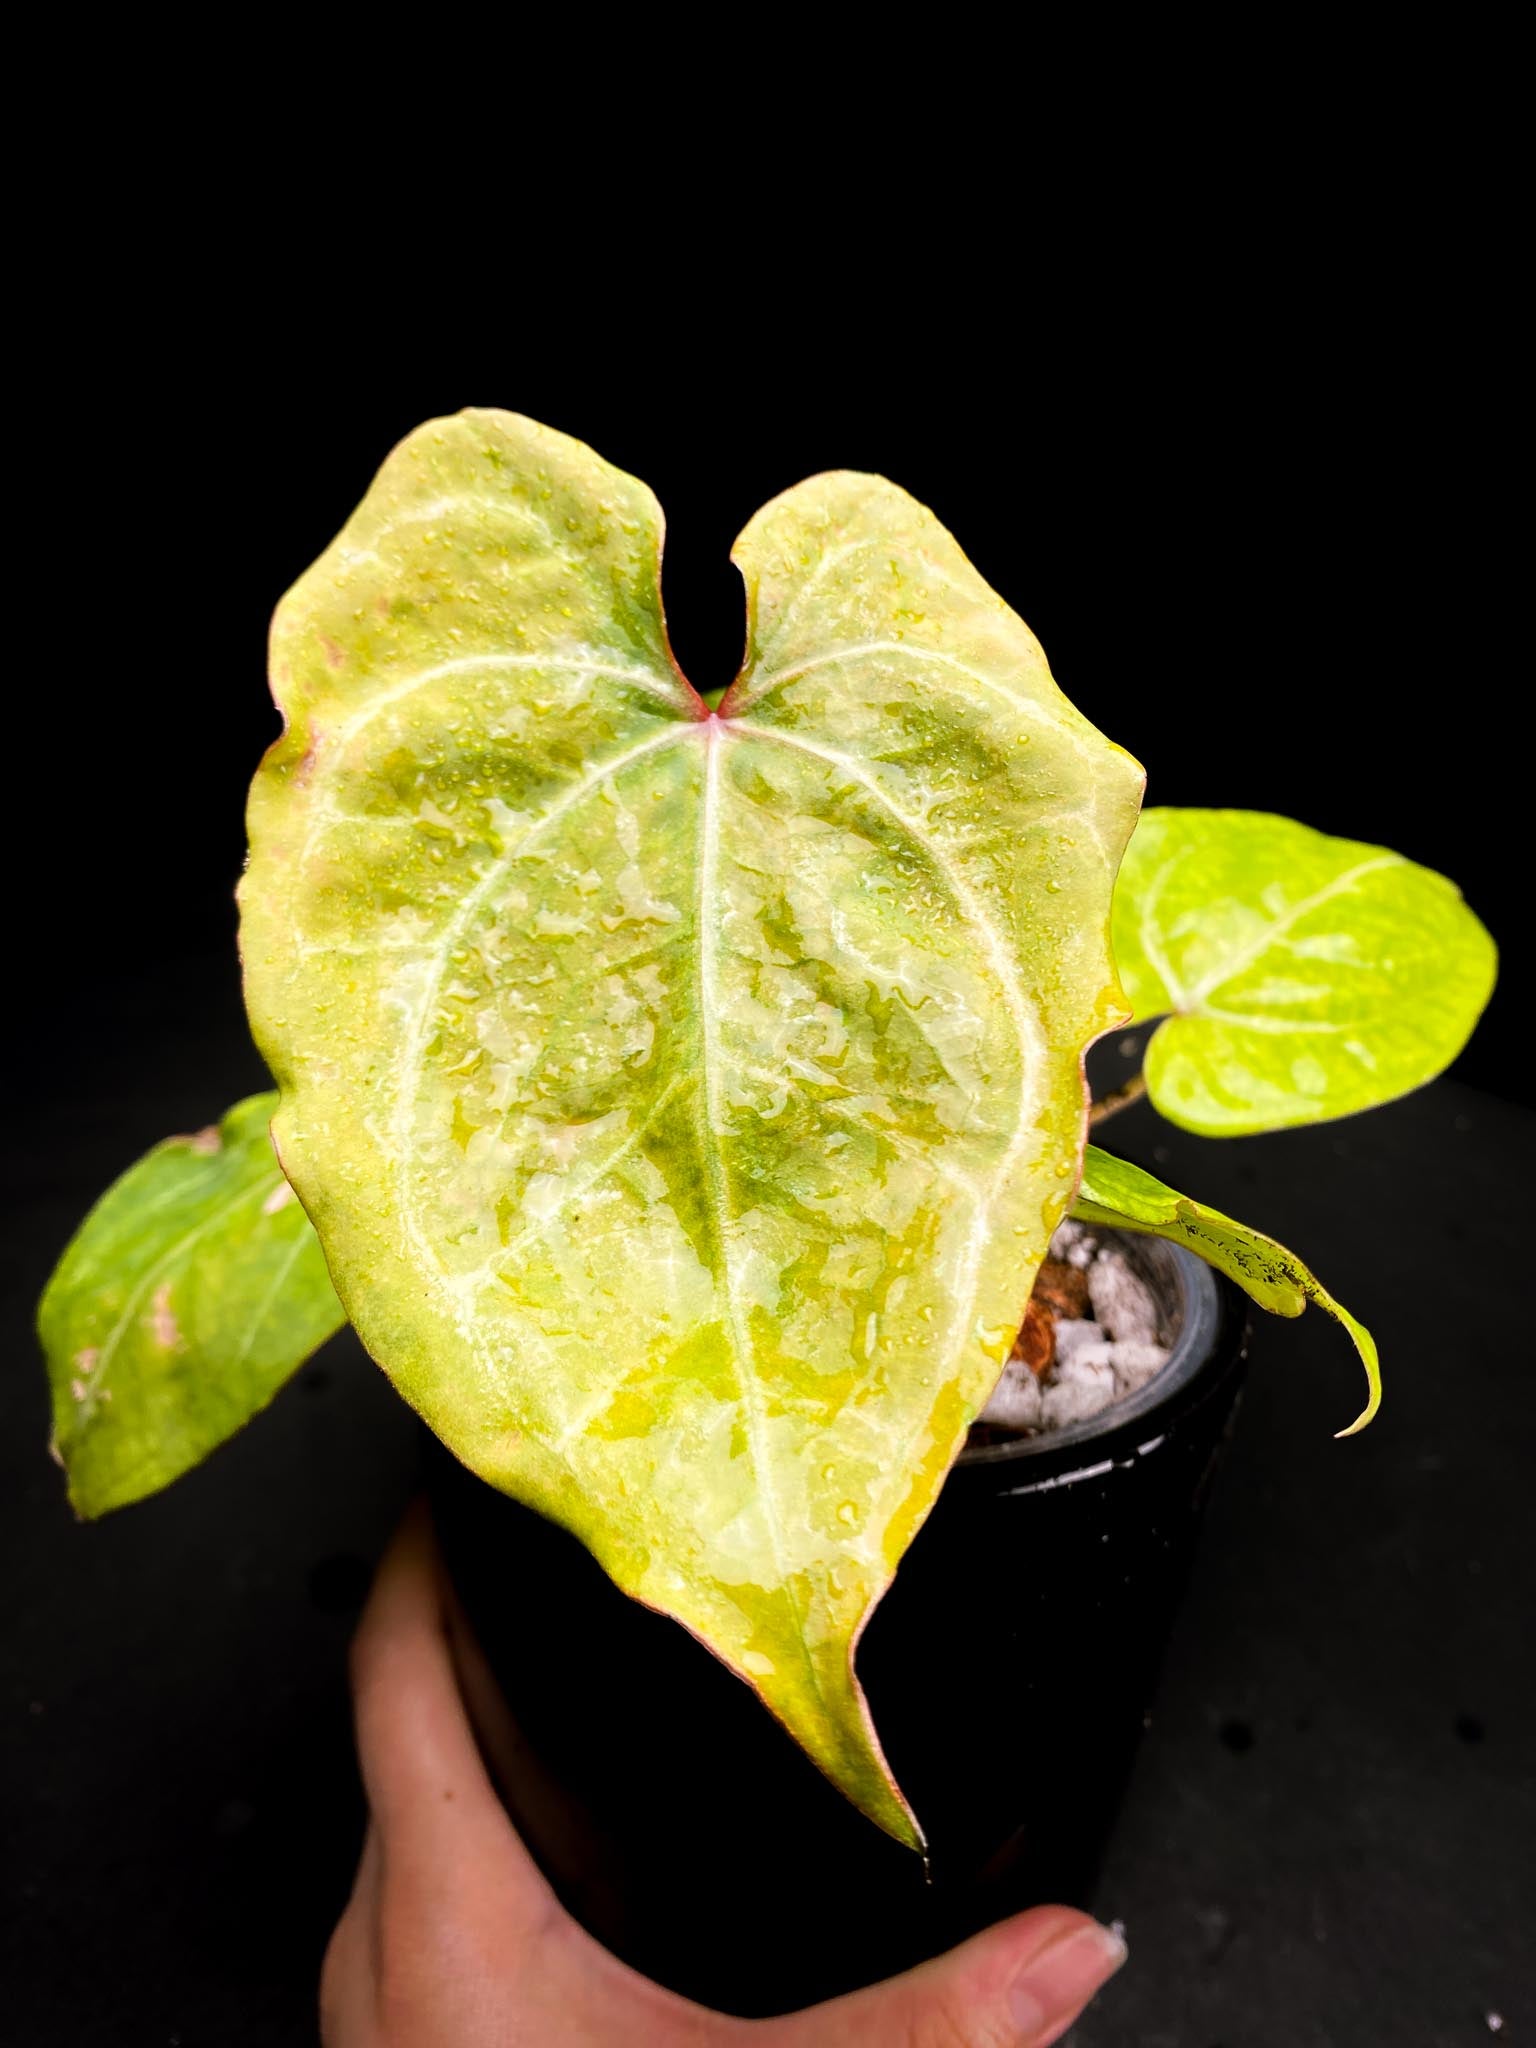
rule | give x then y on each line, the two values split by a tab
85	1361
77	1390
55	1453
207	1140
335	654
162	1323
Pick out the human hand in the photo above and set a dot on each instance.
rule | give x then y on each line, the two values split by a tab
453	1939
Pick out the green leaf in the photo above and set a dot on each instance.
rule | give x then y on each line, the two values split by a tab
1115	1193
1307	977
684	1100
190	1293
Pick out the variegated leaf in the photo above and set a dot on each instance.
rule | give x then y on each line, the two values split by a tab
189	1294
1302	977
684	1099
1125	1197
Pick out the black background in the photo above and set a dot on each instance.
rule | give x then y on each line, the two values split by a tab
1251	498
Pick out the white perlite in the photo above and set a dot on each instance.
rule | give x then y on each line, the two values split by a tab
1016	1399
1122	1300
1074	1244
1097	1362
1074	1391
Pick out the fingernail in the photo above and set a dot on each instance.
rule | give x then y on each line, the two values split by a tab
1057	1982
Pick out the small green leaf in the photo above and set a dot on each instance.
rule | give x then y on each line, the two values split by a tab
1307	977
1115	1193
684	1099
193	1289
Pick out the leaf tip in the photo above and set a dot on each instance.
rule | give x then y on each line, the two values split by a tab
889	1810
82	1509
1366	1416
912	1836
1365	1344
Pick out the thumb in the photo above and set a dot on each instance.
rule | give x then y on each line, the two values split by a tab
1020	1985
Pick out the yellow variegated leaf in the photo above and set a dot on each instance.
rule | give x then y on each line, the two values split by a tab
1302	977
684	1099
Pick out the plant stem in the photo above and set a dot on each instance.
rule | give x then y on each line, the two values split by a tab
1118	1099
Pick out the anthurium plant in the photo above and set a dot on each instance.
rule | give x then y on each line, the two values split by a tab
679	1097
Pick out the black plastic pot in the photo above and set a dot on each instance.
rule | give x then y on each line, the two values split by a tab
1009	1671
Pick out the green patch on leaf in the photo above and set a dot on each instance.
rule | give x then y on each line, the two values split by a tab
1305	977
684	1099
1121	1196
190	1293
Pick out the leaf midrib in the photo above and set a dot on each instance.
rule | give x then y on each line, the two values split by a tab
712	731
1190	1004
718	1180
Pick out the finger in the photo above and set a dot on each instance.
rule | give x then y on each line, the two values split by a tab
433	1804
363	1906
1020	1985
349	1974
450	1882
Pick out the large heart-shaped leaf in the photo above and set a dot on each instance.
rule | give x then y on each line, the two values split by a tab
1307	977
1125	1197
190	1293
684	1099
